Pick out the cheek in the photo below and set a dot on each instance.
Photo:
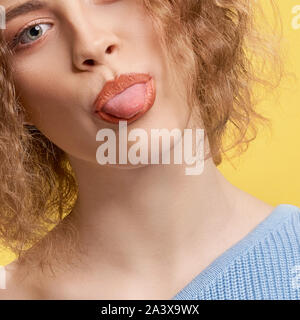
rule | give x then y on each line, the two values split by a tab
53	107
35	91
36	78
171	110
45	85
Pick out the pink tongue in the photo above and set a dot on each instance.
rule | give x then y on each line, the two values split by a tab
128	103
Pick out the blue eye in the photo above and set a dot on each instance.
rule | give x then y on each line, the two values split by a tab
31	33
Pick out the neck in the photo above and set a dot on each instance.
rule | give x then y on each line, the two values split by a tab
134	217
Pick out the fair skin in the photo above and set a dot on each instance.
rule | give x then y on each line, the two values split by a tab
139	224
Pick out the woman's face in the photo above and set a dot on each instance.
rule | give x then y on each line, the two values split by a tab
57	83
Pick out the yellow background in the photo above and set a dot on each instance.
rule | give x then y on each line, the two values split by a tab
270	169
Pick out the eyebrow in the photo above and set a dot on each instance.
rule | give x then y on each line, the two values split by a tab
24	8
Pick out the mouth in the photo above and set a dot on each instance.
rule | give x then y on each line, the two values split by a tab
126	98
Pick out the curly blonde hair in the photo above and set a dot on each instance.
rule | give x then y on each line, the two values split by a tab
214	44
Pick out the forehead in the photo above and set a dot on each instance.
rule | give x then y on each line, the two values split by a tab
11	9
14	8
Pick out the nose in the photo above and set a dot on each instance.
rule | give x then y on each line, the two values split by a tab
92	46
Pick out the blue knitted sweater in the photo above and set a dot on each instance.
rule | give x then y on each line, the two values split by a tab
265	264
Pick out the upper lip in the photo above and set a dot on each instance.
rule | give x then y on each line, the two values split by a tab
118	85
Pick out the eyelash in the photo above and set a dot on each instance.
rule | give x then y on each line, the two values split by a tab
16	40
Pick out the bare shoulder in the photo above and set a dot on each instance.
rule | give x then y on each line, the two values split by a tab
251	209
17	284
243	205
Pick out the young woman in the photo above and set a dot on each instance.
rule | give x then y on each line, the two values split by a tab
70	69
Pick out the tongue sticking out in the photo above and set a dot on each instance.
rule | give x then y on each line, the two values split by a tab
128	103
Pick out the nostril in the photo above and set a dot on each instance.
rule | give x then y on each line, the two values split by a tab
110	49
89	62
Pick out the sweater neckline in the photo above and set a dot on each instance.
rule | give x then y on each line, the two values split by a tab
206	276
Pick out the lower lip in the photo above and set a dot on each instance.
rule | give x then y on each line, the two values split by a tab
150	96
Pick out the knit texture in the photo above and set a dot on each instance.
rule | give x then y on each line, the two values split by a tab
264	265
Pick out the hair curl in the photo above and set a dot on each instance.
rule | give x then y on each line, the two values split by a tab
214	44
